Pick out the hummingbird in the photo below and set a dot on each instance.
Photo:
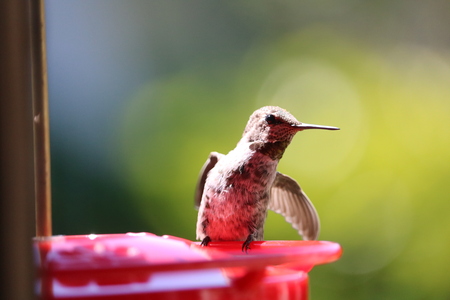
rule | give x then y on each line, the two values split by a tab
235	191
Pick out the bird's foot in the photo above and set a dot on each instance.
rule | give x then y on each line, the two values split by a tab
205	241
246	244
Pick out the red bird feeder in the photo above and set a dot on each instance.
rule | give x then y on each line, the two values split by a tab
146	266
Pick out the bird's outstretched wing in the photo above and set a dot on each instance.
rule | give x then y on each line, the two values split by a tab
289	200
209	164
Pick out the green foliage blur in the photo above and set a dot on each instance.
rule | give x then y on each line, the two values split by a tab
380	184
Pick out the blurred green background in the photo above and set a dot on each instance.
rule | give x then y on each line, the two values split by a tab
142	91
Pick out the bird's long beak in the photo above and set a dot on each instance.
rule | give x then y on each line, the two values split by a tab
304	126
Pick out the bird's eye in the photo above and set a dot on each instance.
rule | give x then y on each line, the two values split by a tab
270	119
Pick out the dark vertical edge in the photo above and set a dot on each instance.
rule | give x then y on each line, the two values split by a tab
17	224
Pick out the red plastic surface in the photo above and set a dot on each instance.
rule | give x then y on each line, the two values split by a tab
139	265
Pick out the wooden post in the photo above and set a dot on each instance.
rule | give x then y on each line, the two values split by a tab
41	121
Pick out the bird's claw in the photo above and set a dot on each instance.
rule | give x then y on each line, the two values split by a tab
205	241
246	244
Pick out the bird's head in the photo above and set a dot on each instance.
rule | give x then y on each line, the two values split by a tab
271	124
